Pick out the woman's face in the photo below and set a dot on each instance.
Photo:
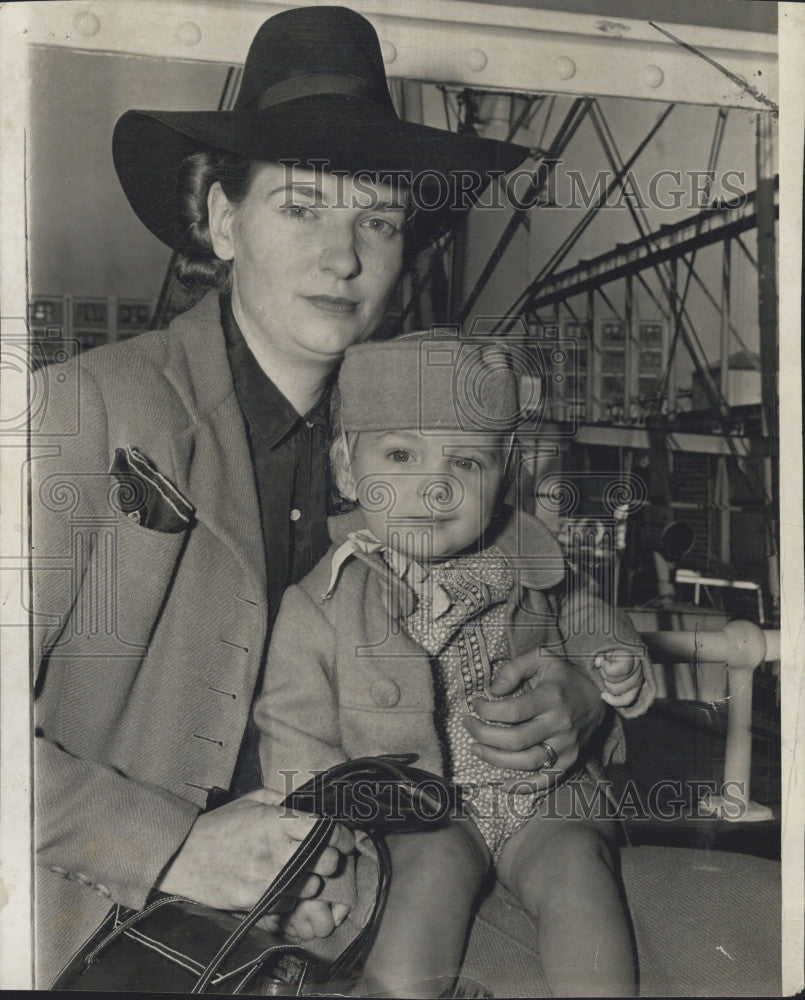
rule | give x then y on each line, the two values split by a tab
314	256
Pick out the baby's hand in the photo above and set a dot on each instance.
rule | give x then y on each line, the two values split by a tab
622	673
315	918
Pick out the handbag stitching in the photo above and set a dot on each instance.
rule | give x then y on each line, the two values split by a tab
166	951
196	967
121	926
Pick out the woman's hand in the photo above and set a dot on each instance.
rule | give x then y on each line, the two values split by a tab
233	853
563	708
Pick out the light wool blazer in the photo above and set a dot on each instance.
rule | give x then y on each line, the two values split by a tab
147	643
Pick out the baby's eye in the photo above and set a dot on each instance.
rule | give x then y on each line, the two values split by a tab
466	464
400	455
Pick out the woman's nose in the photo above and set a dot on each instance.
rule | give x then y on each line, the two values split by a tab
340	255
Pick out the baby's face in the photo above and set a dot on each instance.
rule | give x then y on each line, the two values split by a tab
431	495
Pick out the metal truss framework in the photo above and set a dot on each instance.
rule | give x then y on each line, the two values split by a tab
713	225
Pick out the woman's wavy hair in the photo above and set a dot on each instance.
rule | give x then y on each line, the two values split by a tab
197	263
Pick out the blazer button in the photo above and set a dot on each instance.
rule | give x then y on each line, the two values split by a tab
385	693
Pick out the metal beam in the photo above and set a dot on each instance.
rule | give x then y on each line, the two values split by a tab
445	41
668	242
637	437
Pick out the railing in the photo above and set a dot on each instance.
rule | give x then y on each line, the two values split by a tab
742	647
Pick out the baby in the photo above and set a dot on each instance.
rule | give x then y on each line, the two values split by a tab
431	586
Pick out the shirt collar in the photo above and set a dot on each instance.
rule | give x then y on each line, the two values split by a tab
512	531
269	414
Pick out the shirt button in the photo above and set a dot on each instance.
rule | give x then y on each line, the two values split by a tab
385	693
295	514
309	423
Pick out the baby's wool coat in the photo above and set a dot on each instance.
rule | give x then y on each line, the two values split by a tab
343	680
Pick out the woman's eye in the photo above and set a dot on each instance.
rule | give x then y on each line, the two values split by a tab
297	211
380	228
465	464
400	455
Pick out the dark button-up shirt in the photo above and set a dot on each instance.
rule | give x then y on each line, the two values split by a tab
289	454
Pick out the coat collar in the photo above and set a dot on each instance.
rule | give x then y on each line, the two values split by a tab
530	548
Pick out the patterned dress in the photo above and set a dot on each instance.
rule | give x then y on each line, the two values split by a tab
467	643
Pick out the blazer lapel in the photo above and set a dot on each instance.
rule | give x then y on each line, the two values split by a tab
221	483
211	455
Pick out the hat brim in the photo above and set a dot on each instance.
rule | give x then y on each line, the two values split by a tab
350	134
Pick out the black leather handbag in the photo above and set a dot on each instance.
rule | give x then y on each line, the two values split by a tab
174	945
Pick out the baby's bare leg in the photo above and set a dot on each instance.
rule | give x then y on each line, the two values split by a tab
563	870
434	880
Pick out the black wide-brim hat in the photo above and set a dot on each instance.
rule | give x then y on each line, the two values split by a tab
313	91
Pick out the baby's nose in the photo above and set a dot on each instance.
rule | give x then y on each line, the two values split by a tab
438	495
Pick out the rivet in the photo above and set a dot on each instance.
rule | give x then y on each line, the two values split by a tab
188	33
653	76
388	50
87	23
565	67
476	60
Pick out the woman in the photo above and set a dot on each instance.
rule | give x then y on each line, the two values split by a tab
185	485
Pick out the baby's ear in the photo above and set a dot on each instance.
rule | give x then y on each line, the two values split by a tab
342	469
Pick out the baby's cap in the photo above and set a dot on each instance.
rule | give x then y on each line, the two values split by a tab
429	381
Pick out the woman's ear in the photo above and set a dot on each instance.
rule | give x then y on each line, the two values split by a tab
221	215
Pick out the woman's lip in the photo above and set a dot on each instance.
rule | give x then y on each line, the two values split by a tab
333	303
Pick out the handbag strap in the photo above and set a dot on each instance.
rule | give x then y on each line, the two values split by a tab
321	797
124	925
354	949
308	849
316	796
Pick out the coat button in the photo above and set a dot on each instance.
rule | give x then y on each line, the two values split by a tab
59	871
385	693
83	879
103	891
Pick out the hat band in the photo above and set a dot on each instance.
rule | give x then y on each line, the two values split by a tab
311	84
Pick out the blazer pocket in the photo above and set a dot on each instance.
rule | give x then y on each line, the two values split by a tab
141	563
146	496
